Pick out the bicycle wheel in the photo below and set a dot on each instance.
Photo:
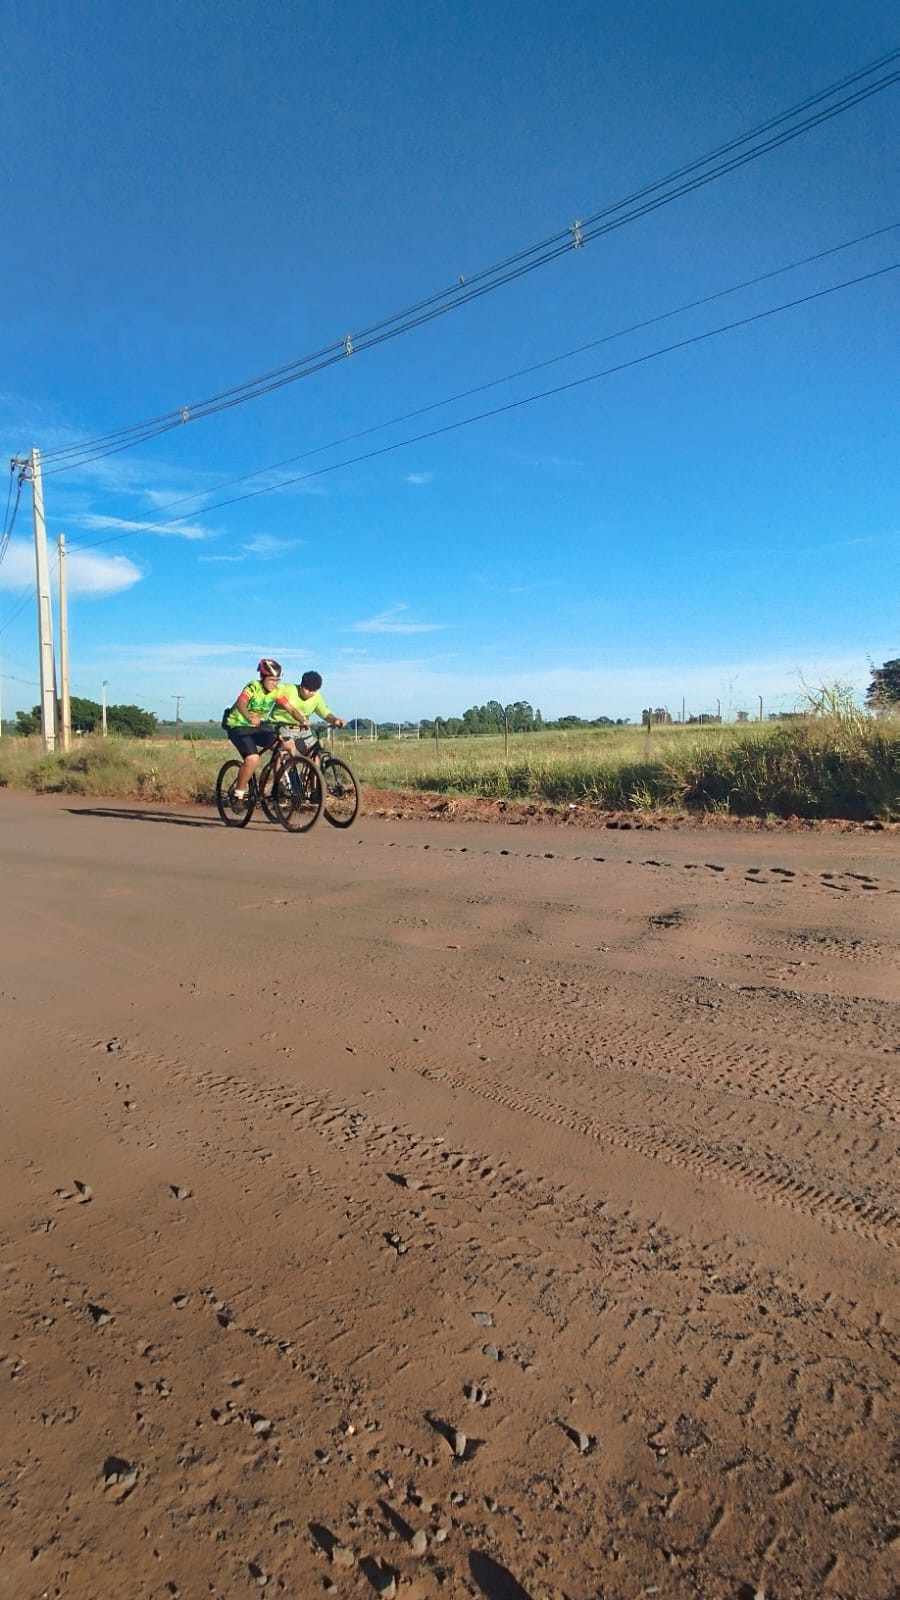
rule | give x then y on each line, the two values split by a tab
342	797
234	813
298	795
266	794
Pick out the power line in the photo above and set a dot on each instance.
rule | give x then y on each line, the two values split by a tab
686	179
514	405
523	372
9	522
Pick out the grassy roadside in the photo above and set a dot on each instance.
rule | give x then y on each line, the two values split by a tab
829	767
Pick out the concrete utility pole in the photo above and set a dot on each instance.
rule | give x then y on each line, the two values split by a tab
32	469
65	707
103	708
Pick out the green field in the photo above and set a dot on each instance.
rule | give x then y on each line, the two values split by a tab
844	766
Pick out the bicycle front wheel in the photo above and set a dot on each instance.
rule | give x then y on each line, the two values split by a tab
342	796
235	813
297	795
267	793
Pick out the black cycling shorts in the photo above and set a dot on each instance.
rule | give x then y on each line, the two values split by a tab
249	741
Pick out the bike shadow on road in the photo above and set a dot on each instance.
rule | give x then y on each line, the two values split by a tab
172	817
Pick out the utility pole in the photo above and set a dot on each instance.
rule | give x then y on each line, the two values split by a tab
65	706
178	699
31	469
103	708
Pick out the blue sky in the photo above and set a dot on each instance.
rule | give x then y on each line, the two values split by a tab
200	192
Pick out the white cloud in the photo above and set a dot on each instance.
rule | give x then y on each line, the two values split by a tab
419	477
418	687
264	547
517	588
176	530
182	651
385	622
211	672
87	572
266	544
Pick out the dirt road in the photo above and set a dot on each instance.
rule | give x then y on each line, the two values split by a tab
494	1211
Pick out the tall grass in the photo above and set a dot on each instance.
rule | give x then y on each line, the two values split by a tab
840	764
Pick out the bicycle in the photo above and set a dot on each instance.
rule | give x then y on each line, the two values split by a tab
342	795
288	788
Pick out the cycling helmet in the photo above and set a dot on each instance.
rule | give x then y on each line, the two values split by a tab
267	668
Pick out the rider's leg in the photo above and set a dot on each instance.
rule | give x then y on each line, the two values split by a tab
248	767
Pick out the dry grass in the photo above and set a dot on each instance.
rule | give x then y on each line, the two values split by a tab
836	765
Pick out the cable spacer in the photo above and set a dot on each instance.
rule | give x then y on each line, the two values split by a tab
577	235
185	414
348	344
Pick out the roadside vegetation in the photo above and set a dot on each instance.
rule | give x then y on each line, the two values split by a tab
836	763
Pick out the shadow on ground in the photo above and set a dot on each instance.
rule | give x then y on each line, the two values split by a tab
145	816
494	1581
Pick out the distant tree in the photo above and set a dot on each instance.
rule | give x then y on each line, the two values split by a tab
520	717
538	720
884	690
28	722
86	714
132	721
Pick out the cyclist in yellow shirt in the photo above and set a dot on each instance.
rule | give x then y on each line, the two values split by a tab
300	701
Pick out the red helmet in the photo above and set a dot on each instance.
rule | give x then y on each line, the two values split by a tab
267	668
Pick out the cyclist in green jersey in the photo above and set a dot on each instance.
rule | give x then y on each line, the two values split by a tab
248	722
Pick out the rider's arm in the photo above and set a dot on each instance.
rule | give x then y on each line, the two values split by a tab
284	704
242	704
335	722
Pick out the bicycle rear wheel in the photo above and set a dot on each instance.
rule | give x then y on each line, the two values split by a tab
234	813
298	794
342	792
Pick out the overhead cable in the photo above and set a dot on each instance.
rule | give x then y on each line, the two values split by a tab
512	405
683	181
537	366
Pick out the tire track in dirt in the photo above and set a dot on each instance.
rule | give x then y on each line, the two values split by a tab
864	1217
750	1407
869	1220
773	877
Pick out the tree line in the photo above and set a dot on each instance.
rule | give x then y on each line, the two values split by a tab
87	717
492	717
